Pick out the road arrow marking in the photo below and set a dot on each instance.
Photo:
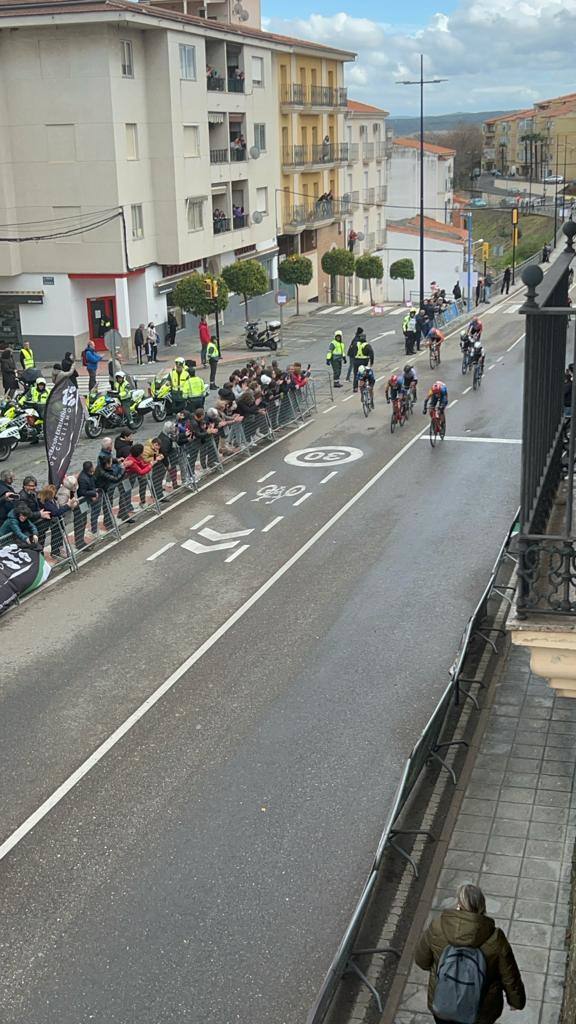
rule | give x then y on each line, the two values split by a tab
215	536
202	549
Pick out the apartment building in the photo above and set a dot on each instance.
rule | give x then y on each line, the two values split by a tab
533	143
404	180
366	178
137	145
314	150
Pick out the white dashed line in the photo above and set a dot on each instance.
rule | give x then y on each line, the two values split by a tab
453	402
467	390
201	523
271	525
492	365
266	476
161	551
514	343
500	359
349	397
329	477
236	497
303	498
236	553
324	411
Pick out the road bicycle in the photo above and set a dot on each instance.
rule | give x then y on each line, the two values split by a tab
466	361
410	400
398	413
477	378
434	354
437	425
367	399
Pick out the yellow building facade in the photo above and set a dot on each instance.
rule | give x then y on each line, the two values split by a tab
533	143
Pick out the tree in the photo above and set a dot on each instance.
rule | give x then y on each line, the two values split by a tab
191	295
466	139
337	262
404	270
247	278
369	268
296	270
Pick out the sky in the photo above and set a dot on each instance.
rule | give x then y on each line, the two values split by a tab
496	55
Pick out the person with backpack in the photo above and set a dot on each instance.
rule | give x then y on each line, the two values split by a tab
471	964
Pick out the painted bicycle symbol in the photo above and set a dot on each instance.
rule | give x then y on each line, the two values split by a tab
273	492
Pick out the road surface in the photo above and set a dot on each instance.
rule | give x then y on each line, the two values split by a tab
291	628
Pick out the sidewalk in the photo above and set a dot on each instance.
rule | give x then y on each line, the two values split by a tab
514	837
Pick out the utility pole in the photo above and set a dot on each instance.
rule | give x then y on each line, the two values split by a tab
470	263
514	240
556	191
422	82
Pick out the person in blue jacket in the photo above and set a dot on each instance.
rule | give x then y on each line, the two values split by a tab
91	360
18	524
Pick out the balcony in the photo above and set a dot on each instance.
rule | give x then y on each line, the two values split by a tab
214	83
381	150
219	156
220	224
236	82
368	151
239	220
369	197
312	214
381	194
296	95
326	153
370	241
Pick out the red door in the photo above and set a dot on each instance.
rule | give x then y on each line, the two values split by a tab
101	318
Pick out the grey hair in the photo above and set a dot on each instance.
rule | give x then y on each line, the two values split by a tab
471	898
107	441
6	476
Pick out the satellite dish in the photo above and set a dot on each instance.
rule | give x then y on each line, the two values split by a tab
254	152
244	16
360	236
256	217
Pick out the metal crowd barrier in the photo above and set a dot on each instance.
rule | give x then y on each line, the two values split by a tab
429	747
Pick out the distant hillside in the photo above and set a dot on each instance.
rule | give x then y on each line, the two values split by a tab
441	122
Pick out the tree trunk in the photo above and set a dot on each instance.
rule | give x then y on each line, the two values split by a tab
403	291
246	306
297	301
370	291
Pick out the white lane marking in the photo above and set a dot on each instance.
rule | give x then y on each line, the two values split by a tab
236	498
58	795
303	498
514	343
271	525
202	521
347	309
453	402
378	379
350	396
394	369
161	551
216	536
500	359
266	476
363	309
197	548
324	411
483	440
514	308
469	388
322	312
396	312
384	335
329	477
236	553
492	365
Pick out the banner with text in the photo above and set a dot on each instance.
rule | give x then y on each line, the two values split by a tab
64	415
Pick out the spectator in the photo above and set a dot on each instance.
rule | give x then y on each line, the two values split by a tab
213	356
88	491
8	494
506	278
29	497
488	282
469	926
205	337
153	454
107	477
18	522
172	328
8	370
136	467
352	239
202	432
91	360
479	290
123	443
48	501
166	442
139	344
151	343
457	292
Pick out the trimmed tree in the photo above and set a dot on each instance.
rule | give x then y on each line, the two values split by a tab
337	263
190	295
247	278
296	270
402	270
369	268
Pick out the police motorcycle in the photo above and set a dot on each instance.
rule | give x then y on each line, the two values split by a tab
265	337
24	425
105	411
162	398
9	438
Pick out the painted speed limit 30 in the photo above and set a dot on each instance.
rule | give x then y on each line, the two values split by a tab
327	455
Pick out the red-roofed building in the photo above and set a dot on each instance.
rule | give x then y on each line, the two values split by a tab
404	180
444	244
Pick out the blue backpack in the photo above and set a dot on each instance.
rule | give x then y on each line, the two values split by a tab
460	984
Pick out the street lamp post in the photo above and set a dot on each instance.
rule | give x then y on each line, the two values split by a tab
422	82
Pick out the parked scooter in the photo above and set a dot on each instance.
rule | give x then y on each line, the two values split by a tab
105	411
265	337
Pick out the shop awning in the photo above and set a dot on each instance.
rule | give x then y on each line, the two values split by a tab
22	296
215	117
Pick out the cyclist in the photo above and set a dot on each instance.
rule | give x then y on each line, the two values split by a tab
437	398
435	337
395	388
366	379
478	355
475	328
411	380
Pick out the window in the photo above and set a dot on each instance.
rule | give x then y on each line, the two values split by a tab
260	137
191	140
262	200
132	142
188	62
137	222
195	214
258	72
126	58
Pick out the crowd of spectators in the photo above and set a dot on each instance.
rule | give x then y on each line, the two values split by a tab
253	397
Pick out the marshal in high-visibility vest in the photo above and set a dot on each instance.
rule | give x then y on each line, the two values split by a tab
212	351
196	387
360	350
27	359
336	348
178	381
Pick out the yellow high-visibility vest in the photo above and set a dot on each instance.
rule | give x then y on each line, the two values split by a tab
28	358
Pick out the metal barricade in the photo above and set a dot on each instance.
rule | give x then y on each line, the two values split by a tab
56	545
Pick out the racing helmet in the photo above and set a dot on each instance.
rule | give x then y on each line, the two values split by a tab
478	346
408	368
437	387
464	336
393	380
361	371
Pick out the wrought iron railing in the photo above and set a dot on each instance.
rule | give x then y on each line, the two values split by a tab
311	213
299	95
368	150
325	153
220	225
219	156
215	83
369	196
235	84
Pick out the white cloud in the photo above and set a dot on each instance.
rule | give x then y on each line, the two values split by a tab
492	55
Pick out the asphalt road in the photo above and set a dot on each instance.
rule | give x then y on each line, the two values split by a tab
203	865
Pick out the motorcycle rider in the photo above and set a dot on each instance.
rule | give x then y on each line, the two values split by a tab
38	393
123	394
32	426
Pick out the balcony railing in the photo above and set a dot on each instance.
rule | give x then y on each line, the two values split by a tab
237	153
381	193
368	150
219	156
325	153
220	225
215	83
370	241
380	238
312	213
239	220
235	84
350	201
381	150
298	95
369	197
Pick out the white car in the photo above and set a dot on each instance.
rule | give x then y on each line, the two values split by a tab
553	179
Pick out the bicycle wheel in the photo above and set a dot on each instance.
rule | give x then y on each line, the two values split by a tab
432	357
366	405
432	432
464	365
442	431
477	377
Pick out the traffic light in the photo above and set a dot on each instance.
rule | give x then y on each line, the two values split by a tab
486	251
208	288
214	288
515	215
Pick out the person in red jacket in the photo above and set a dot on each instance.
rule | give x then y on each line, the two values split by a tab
136	466
205	336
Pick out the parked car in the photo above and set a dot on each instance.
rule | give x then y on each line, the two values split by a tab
478	202
509	201
553	179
